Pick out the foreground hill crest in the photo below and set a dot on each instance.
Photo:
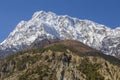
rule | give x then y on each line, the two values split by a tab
48	25
60	60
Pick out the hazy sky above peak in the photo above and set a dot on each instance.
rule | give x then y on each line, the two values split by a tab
105	12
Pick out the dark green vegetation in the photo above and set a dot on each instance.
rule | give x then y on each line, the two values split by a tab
40	72
90	70
57	47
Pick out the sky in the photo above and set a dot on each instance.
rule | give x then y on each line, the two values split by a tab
105	12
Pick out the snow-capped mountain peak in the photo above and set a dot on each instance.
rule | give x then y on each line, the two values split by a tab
48	25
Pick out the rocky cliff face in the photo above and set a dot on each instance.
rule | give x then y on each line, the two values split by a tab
61	60
48	25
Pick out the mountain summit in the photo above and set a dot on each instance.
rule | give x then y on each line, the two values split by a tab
48	25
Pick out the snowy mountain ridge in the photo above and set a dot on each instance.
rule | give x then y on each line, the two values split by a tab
48	25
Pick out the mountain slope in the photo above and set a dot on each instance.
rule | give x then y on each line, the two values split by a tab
48	25
60	60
